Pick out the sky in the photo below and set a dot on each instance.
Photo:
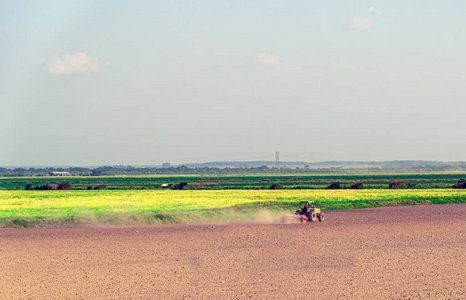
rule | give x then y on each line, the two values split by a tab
85	83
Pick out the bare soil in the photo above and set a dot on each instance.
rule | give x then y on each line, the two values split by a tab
415	252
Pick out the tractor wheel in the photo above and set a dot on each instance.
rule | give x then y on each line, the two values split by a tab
298	212
313	216
321	217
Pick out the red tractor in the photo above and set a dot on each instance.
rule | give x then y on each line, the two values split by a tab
310	212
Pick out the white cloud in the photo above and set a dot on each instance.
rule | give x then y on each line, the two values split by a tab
340	65
267	58
201	48
362	24
78	63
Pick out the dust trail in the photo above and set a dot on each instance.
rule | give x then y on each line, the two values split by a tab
273	217
87	218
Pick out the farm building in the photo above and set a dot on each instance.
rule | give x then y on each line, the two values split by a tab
58	174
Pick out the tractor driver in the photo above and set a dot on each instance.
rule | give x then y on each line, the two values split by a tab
305	209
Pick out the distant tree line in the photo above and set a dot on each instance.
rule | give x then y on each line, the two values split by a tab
130	170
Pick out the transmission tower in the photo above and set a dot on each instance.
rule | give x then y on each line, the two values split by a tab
277	159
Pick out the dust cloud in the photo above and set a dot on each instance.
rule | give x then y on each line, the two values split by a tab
269	217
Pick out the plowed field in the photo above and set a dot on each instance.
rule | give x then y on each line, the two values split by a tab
378	253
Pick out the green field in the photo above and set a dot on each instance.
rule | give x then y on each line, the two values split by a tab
69	208
220	182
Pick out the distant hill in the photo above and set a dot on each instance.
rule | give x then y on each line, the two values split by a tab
323	164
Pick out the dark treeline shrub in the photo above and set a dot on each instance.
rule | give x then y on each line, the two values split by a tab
64	186
357	186
334	186
397	184
89	187
45	187
276	186
179	186
461	184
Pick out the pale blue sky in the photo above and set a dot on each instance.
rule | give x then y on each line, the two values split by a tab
146	82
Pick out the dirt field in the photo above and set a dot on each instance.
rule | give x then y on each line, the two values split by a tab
380	253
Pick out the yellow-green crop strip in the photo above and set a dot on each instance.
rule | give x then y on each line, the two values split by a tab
58	204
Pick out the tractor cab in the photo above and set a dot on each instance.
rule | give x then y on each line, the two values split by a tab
309	211
306	206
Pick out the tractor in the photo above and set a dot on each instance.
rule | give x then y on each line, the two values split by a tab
310	212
